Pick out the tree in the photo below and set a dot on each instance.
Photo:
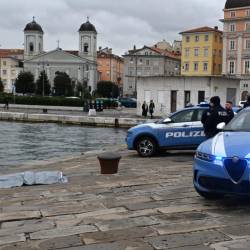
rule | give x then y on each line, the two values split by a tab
107	89
62	84
25	83
1	86
42	84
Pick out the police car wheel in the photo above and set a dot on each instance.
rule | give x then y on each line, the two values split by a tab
209	196
146	147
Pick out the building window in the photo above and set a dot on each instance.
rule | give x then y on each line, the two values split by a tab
186	66
187	98
201	96
248	12
205	66
187	50
248	27
4	63
247	67
214	52
140	61
146	53
231	67
196	52
232	45
247	44
220	52
206	38
86	48
196	38
206	52
196	66
131	60
232	13
4	72
232	27
187	39
31	47
147	62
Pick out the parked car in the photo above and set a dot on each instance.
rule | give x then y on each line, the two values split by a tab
222	163
128	102
182	130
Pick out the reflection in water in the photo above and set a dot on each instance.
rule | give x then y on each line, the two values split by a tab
23	142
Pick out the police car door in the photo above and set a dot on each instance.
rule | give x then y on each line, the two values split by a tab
197	127
177	133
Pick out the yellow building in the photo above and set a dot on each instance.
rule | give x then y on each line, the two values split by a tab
201	52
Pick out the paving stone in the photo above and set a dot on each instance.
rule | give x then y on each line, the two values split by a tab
186	239
236	231
11	216
125	223
117	235
119	245
12	239
60	232
19	227
242	244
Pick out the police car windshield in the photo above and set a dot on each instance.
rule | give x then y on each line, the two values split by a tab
240	123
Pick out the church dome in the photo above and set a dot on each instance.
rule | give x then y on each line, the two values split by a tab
33	26
231	4
87	27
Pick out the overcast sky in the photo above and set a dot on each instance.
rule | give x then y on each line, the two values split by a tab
120	23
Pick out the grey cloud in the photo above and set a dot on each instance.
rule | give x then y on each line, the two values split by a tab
120	24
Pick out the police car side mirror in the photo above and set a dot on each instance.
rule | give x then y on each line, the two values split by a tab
167	120
221	126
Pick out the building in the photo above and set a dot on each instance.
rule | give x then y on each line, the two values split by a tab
173	93
201	52
147	62
110	66
81	66
236	42
10	67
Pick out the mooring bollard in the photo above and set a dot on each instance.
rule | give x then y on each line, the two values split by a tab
109	162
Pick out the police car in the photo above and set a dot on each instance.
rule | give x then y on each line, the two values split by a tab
222	164
182	130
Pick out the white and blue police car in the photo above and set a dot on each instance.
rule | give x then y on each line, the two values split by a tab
222	164
182	130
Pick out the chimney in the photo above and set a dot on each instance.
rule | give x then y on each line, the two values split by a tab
134	47
100	48
216	27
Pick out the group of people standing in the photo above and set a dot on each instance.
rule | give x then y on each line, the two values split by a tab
148	108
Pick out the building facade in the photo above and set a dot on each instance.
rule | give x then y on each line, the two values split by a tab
10	67
81	66
110	66
236	42
147	62
174	93
201	52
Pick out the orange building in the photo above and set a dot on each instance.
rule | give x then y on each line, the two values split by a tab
110	66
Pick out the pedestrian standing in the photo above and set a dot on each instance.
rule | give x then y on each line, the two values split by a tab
144	109
230	112
212	117
151	108
6	101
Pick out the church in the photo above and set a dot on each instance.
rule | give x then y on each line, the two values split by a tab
81	66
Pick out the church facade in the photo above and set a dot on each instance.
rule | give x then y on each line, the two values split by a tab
81	66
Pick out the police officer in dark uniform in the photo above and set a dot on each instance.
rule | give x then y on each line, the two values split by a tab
230	112
212	117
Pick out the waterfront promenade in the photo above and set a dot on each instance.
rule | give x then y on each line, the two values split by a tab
124	118
150	204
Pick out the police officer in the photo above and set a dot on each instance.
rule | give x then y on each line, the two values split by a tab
211	118
230	112
247	104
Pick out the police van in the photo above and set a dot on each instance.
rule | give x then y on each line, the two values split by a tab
181	130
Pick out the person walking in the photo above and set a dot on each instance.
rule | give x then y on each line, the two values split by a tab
144	109
230	112
212	117
6	101
151	108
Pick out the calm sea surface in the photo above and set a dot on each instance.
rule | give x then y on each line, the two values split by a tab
24	142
